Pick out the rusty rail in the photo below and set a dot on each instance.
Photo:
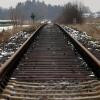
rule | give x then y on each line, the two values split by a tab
90	59
10	64
49	70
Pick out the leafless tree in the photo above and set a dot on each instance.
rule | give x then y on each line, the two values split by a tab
72	13
13	16
16	16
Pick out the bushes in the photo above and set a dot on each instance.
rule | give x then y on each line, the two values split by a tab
72	13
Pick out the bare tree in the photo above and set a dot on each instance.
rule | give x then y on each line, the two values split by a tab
72	13
16	16
19	16
13	17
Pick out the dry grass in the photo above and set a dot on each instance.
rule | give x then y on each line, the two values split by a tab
5	35
91	29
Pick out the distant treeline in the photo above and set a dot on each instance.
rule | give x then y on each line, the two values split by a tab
69	14
73	13
24	11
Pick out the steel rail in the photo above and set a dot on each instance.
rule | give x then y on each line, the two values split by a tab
48	64
89	58
12	62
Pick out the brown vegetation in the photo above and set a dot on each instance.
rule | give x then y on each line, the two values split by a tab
91	29
5	35
72	13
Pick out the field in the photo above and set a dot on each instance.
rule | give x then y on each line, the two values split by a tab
91	26
10	31
91	29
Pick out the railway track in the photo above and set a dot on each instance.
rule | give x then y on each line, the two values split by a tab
47	68
92	45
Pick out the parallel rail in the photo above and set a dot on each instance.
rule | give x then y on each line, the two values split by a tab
90	59
7	68
49	70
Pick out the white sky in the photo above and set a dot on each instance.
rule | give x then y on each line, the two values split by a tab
94	5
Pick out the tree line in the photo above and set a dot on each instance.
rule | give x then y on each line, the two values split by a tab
24	10
69	14
73	13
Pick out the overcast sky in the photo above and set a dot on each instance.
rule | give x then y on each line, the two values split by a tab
94	5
